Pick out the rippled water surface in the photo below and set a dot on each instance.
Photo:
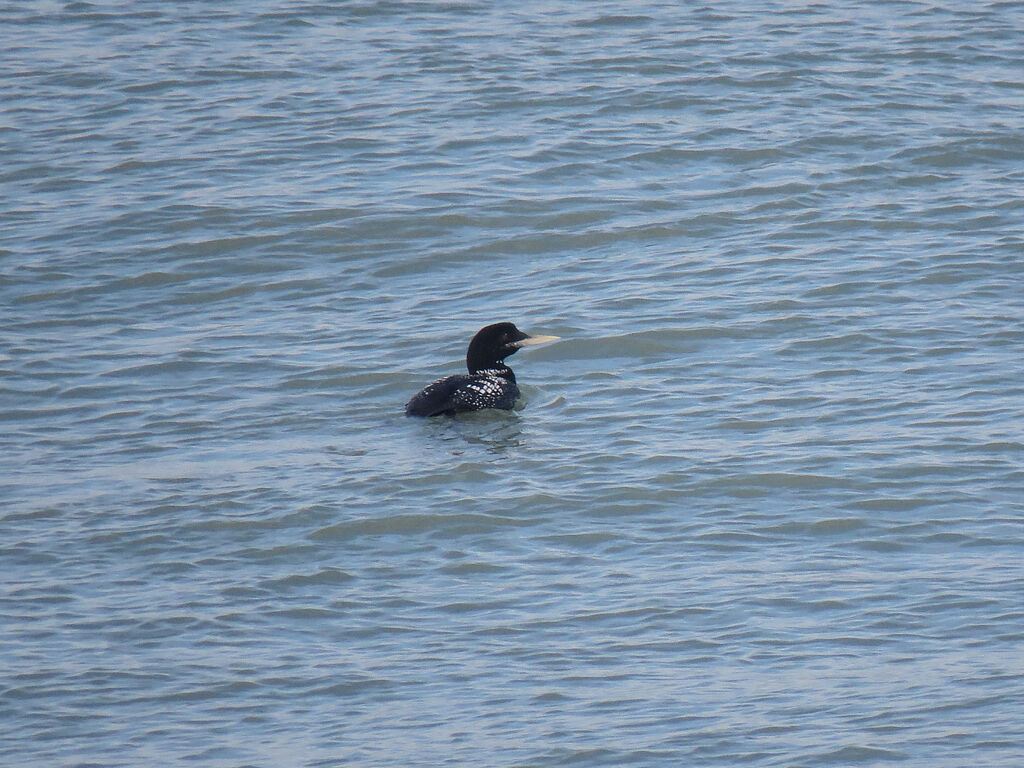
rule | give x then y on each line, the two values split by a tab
763	505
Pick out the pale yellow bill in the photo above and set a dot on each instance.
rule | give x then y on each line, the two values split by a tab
531	341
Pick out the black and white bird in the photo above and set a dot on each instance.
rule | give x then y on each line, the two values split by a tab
490	383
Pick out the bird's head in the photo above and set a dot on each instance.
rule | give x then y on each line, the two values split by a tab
493	343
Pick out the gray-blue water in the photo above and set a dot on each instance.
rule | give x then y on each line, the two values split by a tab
763	506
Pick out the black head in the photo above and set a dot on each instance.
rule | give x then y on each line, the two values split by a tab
494	343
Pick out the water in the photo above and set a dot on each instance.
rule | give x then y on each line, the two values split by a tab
762	506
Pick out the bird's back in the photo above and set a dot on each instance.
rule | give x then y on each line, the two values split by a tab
472	392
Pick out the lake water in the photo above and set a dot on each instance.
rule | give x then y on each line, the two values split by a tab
762	506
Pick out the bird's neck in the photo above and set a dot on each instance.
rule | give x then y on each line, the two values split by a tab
479	360
494	369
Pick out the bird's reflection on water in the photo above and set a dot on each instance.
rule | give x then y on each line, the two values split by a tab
495	431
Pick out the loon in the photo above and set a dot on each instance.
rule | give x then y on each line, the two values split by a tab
490	383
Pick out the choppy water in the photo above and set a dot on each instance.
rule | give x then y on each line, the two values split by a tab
763	506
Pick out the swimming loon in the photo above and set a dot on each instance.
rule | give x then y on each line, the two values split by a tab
490	383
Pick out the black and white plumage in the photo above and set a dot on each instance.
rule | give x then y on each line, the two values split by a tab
489	384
